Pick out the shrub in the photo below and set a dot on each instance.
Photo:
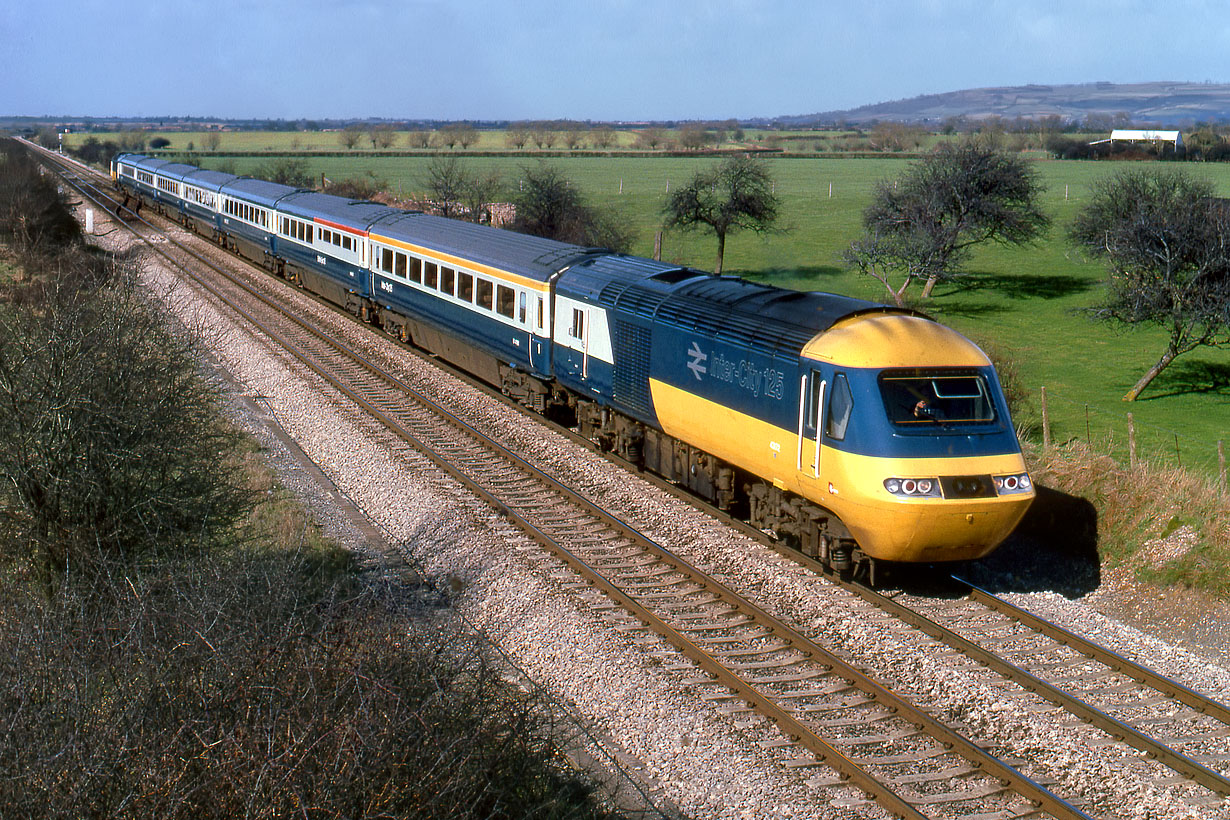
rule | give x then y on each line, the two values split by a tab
266	685
109	436
34	218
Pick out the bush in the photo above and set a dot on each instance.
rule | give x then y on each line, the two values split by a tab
34	217
109	436
286	170
363	187
269	685
549	205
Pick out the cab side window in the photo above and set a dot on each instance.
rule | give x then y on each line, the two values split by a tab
841	406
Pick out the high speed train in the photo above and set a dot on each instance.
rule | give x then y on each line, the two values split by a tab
857	431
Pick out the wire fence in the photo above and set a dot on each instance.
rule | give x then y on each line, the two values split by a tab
1128	440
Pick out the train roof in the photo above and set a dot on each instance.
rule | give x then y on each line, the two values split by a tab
145	162
175	170
214	180
353	213
763	317
258	191
532	257
201	177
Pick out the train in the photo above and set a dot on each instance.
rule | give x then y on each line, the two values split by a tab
861	433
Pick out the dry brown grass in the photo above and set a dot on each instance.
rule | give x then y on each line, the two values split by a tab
1170	524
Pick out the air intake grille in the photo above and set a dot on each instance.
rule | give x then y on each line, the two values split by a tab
632	367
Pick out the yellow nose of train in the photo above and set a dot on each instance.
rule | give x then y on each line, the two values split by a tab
919	457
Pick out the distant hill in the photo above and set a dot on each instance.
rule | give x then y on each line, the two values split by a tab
1163	103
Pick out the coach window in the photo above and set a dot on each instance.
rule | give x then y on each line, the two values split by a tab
446	280
346	243
429	274
542	313
484	293
399	265
506	298
465	286
577	331
386	260
416	269
521	307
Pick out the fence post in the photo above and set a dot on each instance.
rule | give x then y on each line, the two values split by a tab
657	246
1046	422
1131	441
1221	463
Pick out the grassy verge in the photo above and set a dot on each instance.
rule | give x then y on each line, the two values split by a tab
1167	525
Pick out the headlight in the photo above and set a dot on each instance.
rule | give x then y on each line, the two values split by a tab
1012	484
913	487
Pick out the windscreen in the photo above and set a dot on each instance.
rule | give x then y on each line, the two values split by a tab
936	397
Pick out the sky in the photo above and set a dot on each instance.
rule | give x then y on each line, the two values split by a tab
613	60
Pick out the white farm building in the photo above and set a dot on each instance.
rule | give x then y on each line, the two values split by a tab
1175	138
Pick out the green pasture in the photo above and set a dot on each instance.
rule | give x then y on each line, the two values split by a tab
1027	304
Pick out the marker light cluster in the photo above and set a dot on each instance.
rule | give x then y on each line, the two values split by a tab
1011	484
913	487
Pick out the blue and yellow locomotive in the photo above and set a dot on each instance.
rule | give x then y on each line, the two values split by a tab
858	431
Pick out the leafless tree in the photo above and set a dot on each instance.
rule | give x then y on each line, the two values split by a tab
733	195
350	136
923	225
1166	242
517	136
651	138
549	205
604	136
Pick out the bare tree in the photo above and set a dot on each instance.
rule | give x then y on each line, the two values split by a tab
479	193
574	137
383	136
1166	243
734	195
604	136
693	137
350	136
517	136
445	182
212	140
418	138
543	134
923	224
131	139
651	138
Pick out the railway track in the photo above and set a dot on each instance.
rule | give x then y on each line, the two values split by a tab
744	659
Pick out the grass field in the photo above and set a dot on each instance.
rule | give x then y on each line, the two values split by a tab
1027	303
